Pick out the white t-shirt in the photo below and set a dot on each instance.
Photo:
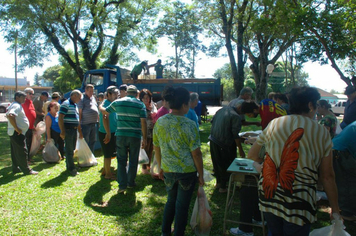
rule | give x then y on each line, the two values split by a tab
21	120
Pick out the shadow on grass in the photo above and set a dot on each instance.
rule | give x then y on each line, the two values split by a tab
119	205
43	165
62	177
7	176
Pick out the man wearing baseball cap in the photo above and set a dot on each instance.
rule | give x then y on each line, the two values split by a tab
38	104
131	125
55	98
350	108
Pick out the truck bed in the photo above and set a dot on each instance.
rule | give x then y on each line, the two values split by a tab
209	90
167	81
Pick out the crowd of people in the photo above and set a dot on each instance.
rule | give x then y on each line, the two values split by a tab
293	152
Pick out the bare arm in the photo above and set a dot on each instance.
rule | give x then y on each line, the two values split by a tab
327	176
12	120
80	121
144	132
48	121
253	154
198	161
103	110
106	123
159	159
239	146
61	126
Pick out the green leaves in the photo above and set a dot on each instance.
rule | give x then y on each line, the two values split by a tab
94	30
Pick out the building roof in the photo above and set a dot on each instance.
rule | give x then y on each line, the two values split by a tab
324	94
11	81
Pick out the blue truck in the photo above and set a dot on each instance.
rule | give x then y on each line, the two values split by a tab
210	90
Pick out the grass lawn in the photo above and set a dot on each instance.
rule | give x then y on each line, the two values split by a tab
54	203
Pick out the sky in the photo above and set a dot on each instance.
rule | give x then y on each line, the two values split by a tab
323	77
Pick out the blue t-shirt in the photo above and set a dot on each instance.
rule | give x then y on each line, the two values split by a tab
112	119
193	116
345	140
54	124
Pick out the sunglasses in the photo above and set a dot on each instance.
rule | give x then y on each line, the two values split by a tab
31	93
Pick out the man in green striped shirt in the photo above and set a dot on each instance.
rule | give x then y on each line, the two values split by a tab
131	125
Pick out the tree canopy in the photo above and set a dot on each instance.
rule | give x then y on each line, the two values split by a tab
97	32
88	34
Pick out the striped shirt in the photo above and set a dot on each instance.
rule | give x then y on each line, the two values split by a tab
70	111
295	203
129	112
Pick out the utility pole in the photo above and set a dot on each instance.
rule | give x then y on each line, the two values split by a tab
15	50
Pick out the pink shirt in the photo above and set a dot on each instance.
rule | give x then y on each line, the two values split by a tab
161	112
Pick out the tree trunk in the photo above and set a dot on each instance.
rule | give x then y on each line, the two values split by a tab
177	63
239	82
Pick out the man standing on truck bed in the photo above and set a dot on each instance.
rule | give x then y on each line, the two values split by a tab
88	116
136	71
159	69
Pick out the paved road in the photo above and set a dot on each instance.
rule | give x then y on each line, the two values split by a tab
212	110
2	117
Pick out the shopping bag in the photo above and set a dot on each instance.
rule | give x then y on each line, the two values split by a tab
336	229
143	158
207	176
154	169
85	157
41	127
36	138
50	152
201	220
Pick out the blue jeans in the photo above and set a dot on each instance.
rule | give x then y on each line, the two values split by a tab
70	142
180	188
277	226
89	134
127	147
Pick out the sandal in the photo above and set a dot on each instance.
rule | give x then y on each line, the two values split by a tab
110	177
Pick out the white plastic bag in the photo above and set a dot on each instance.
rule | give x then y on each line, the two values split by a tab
41	127
154	169
143	158
202	219
36	138
336	229
50	152
207	176
85	157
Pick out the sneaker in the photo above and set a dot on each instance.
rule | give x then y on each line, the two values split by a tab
256	222
237	231
32	172
73	172
121	190
132	186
